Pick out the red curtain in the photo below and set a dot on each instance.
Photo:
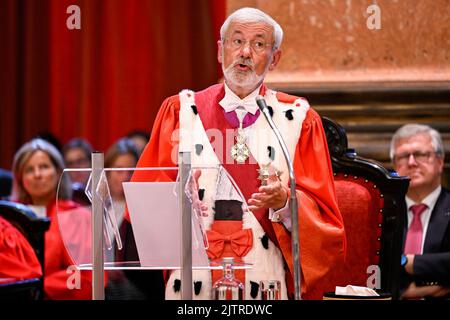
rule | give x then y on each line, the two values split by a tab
109	77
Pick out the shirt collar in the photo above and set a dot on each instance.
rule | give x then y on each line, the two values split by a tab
231	101
430	200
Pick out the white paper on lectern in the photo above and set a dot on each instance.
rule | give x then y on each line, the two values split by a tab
154	211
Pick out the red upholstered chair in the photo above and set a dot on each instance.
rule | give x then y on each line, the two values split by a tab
370	200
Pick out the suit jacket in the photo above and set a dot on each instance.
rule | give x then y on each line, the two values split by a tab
433	265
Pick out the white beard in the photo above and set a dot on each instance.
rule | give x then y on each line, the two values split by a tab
248	79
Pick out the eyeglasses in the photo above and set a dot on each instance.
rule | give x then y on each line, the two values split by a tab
419	157
257	46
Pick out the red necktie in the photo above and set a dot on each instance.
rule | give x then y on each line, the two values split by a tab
413	244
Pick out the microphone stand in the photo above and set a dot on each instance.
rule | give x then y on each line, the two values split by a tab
293	204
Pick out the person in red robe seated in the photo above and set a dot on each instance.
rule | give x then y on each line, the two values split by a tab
222	127
18	260
37	168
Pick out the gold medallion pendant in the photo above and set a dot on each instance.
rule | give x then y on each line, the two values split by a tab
240	151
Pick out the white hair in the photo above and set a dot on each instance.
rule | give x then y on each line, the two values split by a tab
254	15
409	130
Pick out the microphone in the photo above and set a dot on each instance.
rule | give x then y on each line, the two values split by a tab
293	204
261	103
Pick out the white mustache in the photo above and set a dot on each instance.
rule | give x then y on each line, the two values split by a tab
245	62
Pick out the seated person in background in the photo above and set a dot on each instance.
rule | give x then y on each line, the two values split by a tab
122	154
130	284
5	184
37	169
417	152
17	258
140	139
77	154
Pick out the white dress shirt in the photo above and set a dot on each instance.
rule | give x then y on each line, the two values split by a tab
231	101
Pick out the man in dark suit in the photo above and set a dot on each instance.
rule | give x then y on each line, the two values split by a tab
417	152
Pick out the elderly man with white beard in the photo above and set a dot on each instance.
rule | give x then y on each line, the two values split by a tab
237	139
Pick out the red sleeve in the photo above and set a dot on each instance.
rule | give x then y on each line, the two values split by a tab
313	169
69	283
321	229
17	257
161	150
63	281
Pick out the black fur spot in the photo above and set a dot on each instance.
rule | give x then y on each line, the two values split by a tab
265	241
201	194
177	285
194	109
254	289
198	149
289	114
270	111
197	287
271	151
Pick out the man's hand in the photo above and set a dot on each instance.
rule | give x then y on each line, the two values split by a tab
274	195
415	292
410	264
198	205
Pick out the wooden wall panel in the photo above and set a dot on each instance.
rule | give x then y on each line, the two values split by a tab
327	43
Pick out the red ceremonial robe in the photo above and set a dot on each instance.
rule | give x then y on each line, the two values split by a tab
322	237
17	258
58	260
